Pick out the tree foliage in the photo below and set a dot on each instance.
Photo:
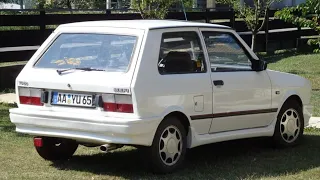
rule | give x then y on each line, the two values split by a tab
251	14
74	4
79	4
304	15
157	9
153	9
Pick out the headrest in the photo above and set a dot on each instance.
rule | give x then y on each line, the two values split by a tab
178	56
178	62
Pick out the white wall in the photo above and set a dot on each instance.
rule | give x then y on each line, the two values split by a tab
286	3
9	6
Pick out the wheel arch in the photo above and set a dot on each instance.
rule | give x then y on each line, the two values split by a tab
292	97
183	118
288	98
296	98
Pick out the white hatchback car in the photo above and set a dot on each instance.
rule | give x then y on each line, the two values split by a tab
162	84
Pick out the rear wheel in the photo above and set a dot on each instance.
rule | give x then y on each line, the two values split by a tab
56	148
290	125
169	146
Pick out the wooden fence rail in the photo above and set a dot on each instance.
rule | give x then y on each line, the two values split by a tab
271	38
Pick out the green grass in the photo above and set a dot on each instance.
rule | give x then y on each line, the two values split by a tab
4	64
315	100
307	66
17	28
244	159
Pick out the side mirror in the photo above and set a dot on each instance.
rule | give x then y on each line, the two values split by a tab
259	65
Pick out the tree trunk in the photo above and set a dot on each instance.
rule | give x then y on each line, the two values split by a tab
131	4
108	4
119	4
21	4
69	6
253	42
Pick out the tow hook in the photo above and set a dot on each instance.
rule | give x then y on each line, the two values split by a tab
110	147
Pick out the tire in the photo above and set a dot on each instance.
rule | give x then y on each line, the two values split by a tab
57	149
176	144
290	125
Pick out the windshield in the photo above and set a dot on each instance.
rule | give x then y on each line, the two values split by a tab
107	52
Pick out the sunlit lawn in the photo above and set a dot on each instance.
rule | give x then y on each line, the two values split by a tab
307	66
244	159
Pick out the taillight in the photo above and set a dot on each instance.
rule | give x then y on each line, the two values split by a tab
37	142
117	103
30	96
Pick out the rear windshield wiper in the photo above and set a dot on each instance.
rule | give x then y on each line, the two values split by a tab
59	71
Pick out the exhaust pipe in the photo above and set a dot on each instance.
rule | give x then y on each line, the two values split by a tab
109	147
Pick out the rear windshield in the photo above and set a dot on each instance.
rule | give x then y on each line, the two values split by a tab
107	52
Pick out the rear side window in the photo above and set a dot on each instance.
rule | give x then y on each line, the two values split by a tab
181	53
108	52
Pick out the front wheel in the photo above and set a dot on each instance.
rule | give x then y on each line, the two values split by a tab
169	146
56	148
290	125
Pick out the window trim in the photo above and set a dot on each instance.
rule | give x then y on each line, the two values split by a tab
199	36
247	53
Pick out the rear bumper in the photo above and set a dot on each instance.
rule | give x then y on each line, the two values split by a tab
85	128
307	114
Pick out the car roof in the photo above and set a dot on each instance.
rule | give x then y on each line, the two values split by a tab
143	24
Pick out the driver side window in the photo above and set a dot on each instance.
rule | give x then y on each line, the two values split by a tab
225	52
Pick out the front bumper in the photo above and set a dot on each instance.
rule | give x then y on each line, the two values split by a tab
85	128
307	114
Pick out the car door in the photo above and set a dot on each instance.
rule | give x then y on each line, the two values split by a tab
183	77
241	96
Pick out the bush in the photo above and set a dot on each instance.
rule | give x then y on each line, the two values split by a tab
304	15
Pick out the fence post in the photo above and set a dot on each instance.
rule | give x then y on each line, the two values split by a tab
267	31
298	38
207	15
232	19
108	12
43	23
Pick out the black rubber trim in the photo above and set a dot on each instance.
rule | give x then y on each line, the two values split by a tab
236	113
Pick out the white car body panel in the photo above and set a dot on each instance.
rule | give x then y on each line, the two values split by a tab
289	85
244	91
161	101
155	96
85	127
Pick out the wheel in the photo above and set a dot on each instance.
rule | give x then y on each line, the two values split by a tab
169	146
56	148
290	125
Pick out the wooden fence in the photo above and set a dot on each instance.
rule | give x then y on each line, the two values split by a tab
19	45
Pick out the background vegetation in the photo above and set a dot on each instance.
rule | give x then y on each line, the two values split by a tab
304	15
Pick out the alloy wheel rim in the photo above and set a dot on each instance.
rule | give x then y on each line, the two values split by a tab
170	145
290	125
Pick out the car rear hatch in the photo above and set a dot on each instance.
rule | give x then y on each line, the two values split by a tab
87	71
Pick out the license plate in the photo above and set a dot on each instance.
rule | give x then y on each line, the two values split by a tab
70	99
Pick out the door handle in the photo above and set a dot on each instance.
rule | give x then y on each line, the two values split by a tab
218	83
